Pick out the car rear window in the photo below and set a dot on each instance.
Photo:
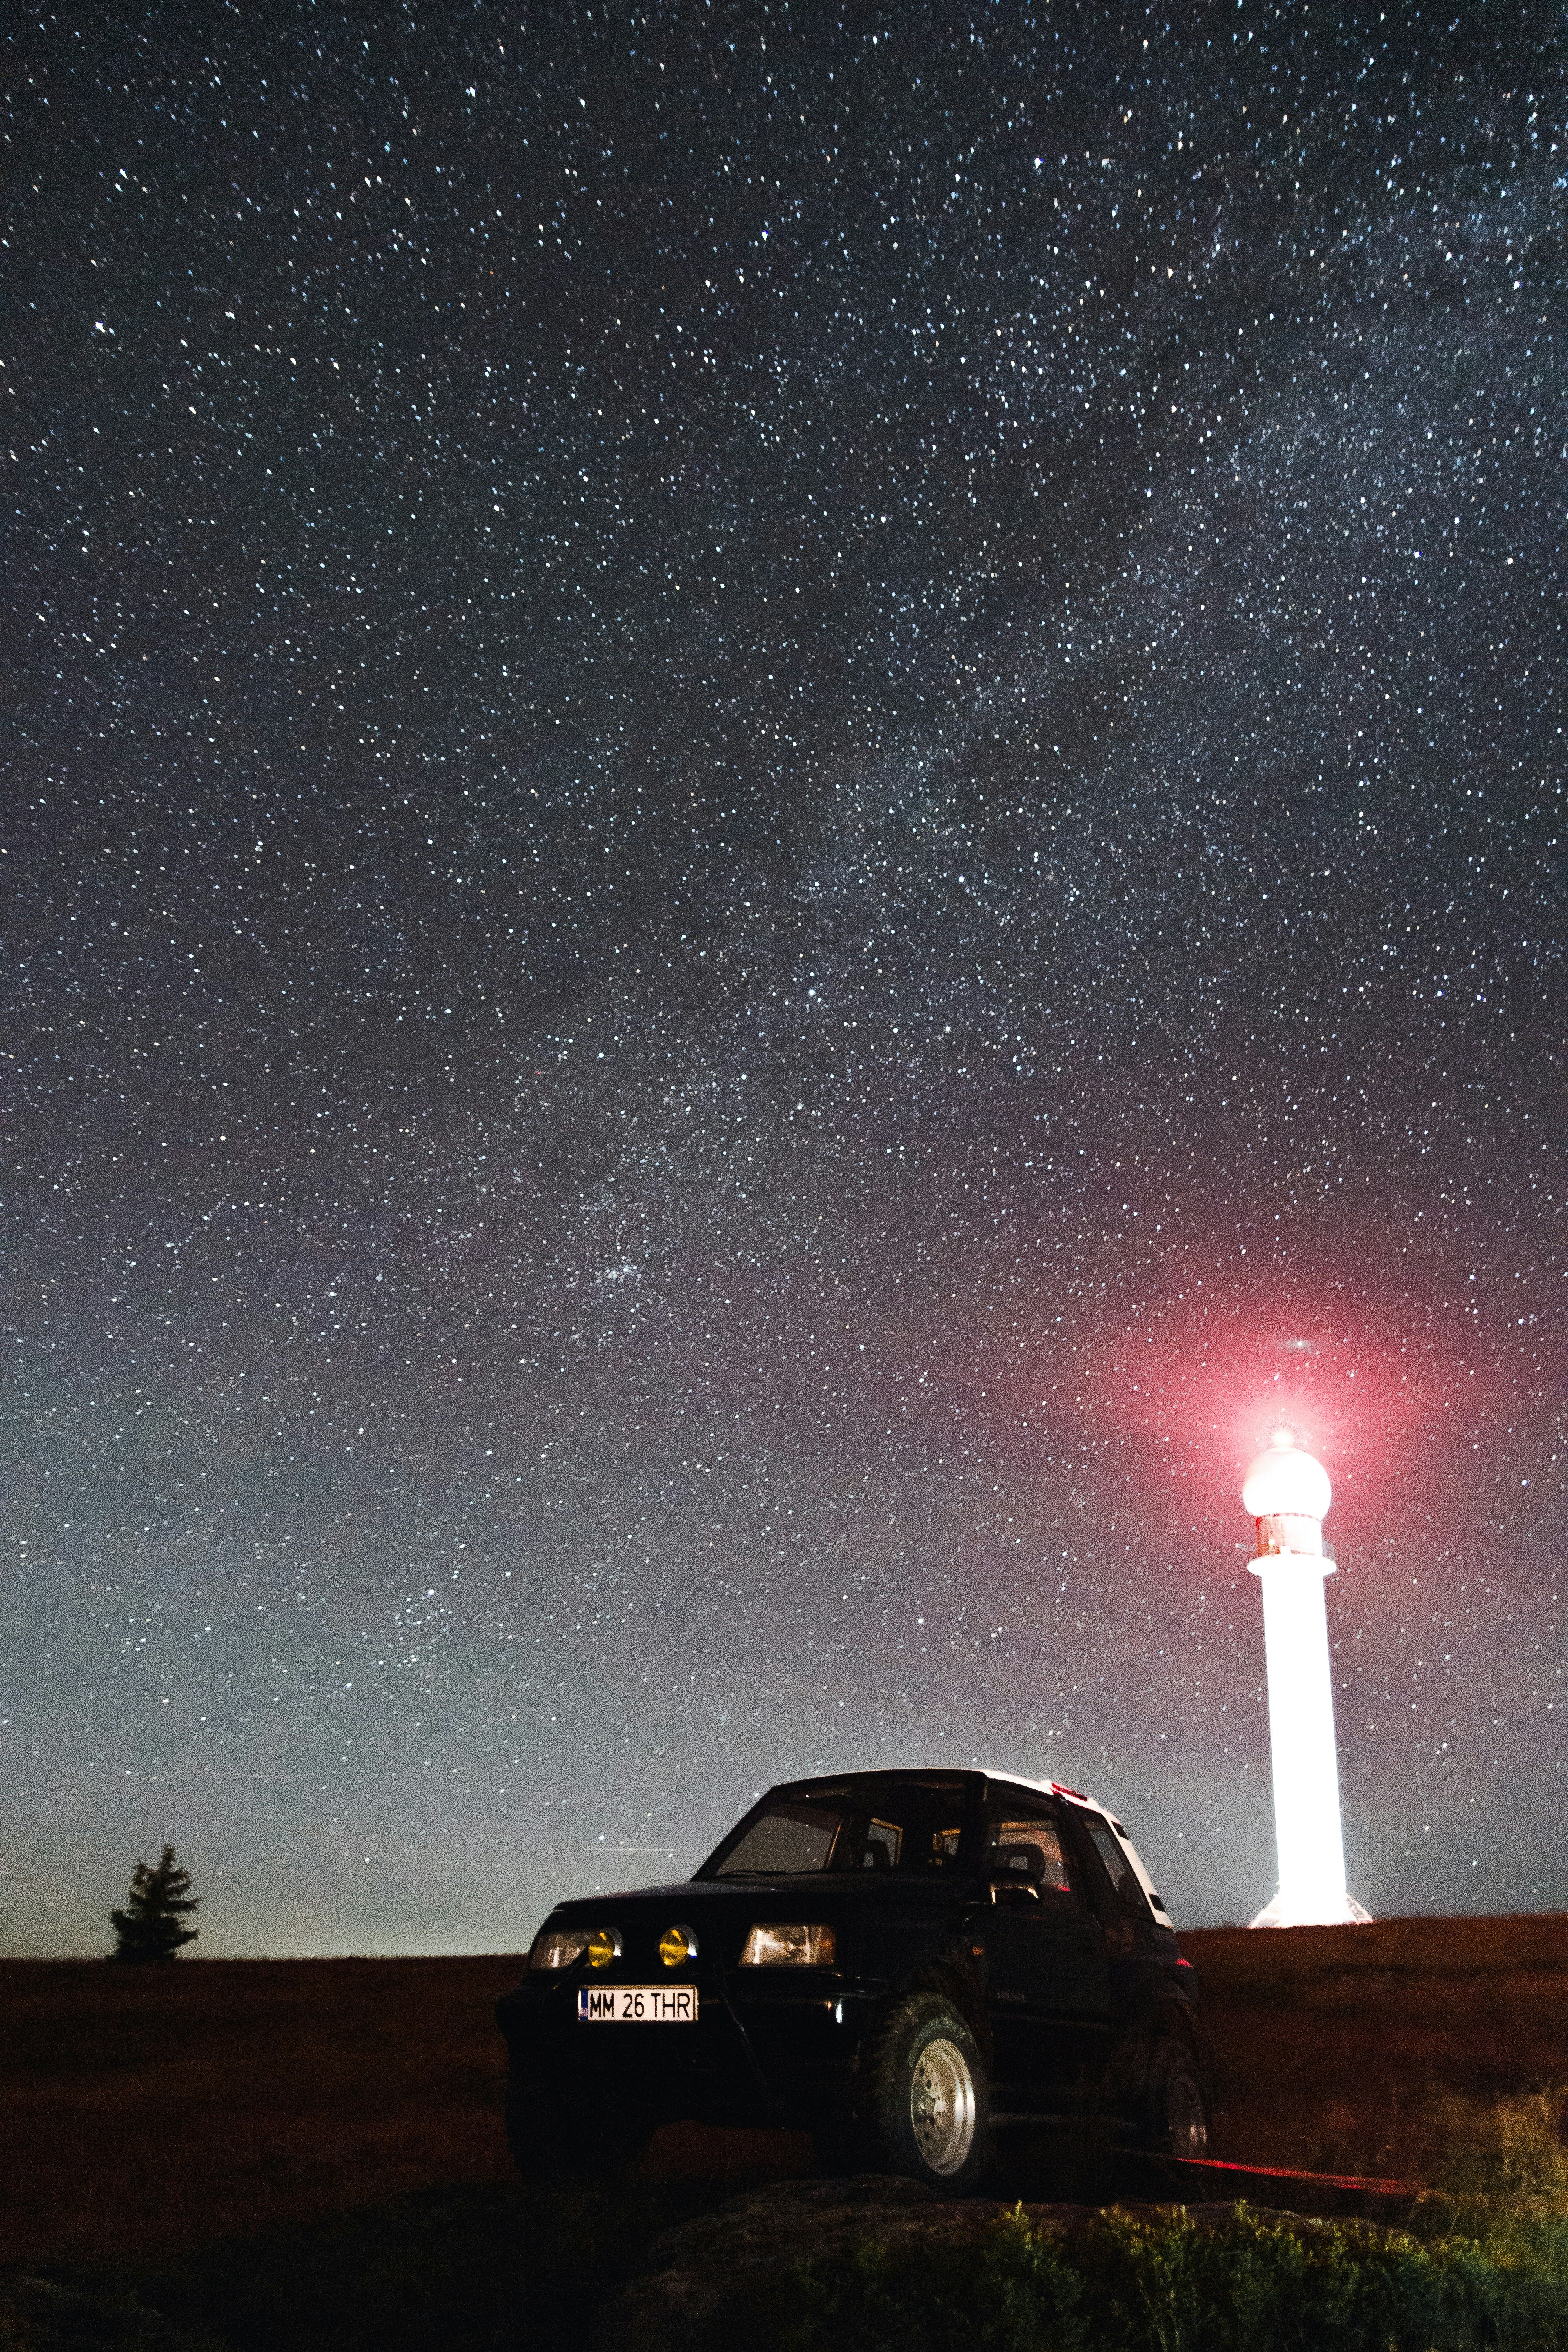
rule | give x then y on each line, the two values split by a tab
1118	1870
907	1826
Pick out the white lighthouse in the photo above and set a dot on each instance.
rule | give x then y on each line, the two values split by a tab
1287	1493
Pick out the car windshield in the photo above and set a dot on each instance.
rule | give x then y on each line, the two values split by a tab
852	1825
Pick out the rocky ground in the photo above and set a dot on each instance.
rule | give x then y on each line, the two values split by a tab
700	2264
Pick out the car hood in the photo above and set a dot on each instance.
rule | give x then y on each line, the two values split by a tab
824	1895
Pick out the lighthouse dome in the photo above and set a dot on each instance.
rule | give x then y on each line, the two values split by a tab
1286	1483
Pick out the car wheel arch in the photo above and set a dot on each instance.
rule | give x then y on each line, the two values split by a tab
1169	2023
952	1982
1177	2021
1136	2048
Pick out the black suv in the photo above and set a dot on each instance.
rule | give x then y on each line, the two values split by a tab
894	1961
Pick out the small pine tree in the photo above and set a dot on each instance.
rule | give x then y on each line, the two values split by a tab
149	1928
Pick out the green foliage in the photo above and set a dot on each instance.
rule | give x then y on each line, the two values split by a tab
1254	2283
1011	2291
497	2269
1502	2179
1504	2156
1263	2283
148	1927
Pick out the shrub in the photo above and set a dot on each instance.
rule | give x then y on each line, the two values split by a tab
1266	2283
1014	2290
1254	2283
1502	2179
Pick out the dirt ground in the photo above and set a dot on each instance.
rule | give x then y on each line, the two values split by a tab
141	2111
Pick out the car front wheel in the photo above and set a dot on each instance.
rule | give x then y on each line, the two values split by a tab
923	2109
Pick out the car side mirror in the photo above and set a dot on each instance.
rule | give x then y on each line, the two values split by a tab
1013	1890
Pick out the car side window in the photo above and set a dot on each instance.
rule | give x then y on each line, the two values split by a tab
1118	1869
1027	1846
883	1842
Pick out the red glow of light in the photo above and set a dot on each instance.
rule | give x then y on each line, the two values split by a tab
1195	1392
1349	1400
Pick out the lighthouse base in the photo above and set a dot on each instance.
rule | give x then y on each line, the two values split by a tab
1337	1911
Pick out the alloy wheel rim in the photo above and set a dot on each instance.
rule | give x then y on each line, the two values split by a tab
1189	2132
943	2106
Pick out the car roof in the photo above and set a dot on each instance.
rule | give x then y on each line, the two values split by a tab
1046	1788
944	1772
926	1773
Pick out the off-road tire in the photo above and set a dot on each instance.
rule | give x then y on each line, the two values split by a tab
556	2135
1175	2113
925	2101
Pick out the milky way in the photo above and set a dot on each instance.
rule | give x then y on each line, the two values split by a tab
782	821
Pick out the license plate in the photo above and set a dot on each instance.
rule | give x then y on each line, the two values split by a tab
637	2004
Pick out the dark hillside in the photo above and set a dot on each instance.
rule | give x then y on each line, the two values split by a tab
152	2107
149	2109
1351	2048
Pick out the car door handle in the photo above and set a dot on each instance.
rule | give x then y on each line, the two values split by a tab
1013	1890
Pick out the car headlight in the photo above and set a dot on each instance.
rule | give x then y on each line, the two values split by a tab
557	1947
603	1945
676	1946
773	1947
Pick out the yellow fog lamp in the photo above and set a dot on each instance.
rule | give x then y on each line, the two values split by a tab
603	1945
676	1947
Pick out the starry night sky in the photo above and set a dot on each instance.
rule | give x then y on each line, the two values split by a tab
782	821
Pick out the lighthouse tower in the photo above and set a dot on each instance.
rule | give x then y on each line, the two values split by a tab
1286	1494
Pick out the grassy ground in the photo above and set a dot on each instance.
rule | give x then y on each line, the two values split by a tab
148	2110
155	2107
1361	2049
490	2270
167	2107
1161	2281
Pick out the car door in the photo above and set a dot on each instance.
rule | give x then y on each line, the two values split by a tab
1047	1966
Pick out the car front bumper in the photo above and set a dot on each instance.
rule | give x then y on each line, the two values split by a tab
766	2052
